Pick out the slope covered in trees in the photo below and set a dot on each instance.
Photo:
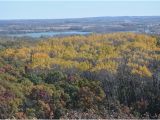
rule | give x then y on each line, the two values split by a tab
97	76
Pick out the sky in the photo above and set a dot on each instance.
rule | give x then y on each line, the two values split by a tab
51	9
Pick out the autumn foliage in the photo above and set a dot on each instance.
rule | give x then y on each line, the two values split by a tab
112	75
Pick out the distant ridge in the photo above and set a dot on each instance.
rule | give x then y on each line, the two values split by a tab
82	18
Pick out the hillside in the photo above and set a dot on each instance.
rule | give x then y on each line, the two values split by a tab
113	75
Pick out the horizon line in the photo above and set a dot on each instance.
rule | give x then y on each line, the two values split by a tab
80	17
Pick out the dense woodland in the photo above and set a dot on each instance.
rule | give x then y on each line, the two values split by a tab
113	75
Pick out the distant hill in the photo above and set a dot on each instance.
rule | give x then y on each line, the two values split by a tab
137	24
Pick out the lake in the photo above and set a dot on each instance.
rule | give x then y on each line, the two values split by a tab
49	34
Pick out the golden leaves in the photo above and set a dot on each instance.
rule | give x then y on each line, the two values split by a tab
94	52
140	70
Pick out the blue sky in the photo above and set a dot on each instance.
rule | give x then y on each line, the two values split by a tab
40	9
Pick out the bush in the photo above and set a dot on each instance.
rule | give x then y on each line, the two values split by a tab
54	77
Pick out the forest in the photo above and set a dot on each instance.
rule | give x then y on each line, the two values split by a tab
114	75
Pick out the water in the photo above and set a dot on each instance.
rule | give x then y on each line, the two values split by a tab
49	34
